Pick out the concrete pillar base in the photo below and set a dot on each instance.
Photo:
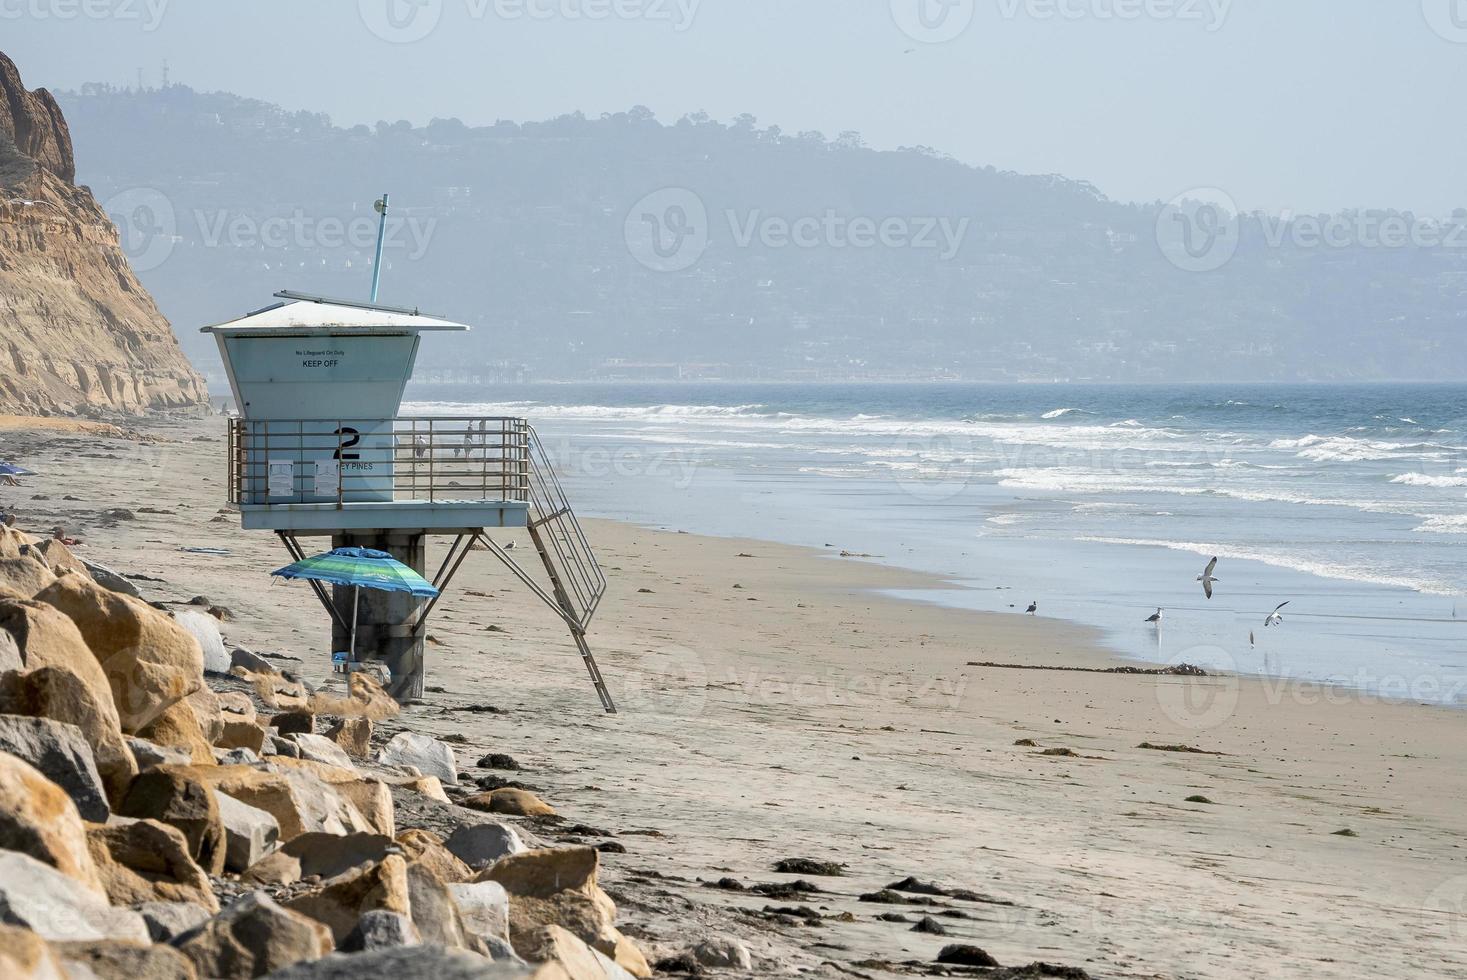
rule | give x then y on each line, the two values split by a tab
385	619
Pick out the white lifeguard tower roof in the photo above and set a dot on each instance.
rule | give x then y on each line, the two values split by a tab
311	316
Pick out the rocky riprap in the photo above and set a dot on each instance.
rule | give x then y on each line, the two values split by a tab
164	814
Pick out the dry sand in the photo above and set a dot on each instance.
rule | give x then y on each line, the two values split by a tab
775	704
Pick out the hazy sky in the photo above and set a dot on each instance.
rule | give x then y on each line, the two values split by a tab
1284	104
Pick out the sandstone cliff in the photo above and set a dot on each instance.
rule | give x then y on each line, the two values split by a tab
78	332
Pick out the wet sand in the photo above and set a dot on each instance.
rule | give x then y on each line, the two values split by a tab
775	704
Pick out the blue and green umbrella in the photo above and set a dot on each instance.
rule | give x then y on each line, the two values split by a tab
360	568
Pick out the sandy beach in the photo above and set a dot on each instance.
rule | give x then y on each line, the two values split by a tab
776	704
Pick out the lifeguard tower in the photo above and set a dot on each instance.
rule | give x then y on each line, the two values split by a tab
320	449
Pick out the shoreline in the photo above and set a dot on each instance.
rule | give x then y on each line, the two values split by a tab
805	714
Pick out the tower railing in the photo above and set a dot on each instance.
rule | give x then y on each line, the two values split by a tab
343	461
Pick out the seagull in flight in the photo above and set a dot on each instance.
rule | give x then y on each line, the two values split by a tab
1276	618
1155	618
1033	608
1206	578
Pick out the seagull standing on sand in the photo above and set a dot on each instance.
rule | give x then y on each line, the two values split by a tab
1033	608
1276	618
1206	578
1155	619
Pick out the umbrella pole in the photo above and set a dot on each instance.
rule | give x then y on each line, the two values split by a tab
356	597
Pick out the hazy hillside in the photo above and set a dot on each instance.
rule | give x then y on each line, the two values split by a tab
538	234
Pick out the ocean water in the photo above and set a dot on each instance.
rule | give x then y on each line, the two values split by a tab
1101	503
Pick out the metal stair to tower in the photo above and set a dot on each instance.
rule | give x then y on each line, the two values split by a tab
577	581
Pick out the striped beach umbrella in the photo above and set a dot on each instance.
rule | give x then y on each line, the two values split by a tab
360	568
10	469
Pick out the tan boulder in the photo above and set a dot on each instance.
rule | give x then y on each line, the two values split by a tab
112	959
426	848
512	802
25	575
150	661
354	735
297	800
180	797
25	955
11	541
627	955
237	702
60	558
253	937
274	689
178	728
276	868
556	886
365	699
567	957
434	911
38	818
208	712
10	658
62	680
240	732
62	695
340	901
148	861
429	786
370	796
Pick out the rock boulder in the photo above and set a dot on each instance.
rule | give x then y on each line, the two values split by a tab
150	661
339	902
38	818
179	797
61	752
425	754
36	896
252	937
147	861
75	691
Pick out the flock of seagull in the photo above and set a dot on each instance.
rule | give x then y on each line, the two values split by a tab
1275	618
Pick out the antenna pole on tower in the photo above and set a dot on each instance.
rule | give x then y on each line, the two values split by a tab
381	208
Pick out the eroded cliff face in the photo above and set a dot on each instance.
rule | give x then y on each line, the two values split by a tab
78	332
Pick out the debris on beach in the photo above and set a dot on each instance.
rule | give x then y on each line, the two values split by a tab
809	866
1187	749
1176	670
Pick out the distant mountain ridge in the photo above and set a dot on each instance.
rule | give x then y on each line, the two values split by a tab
78	333
621	246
